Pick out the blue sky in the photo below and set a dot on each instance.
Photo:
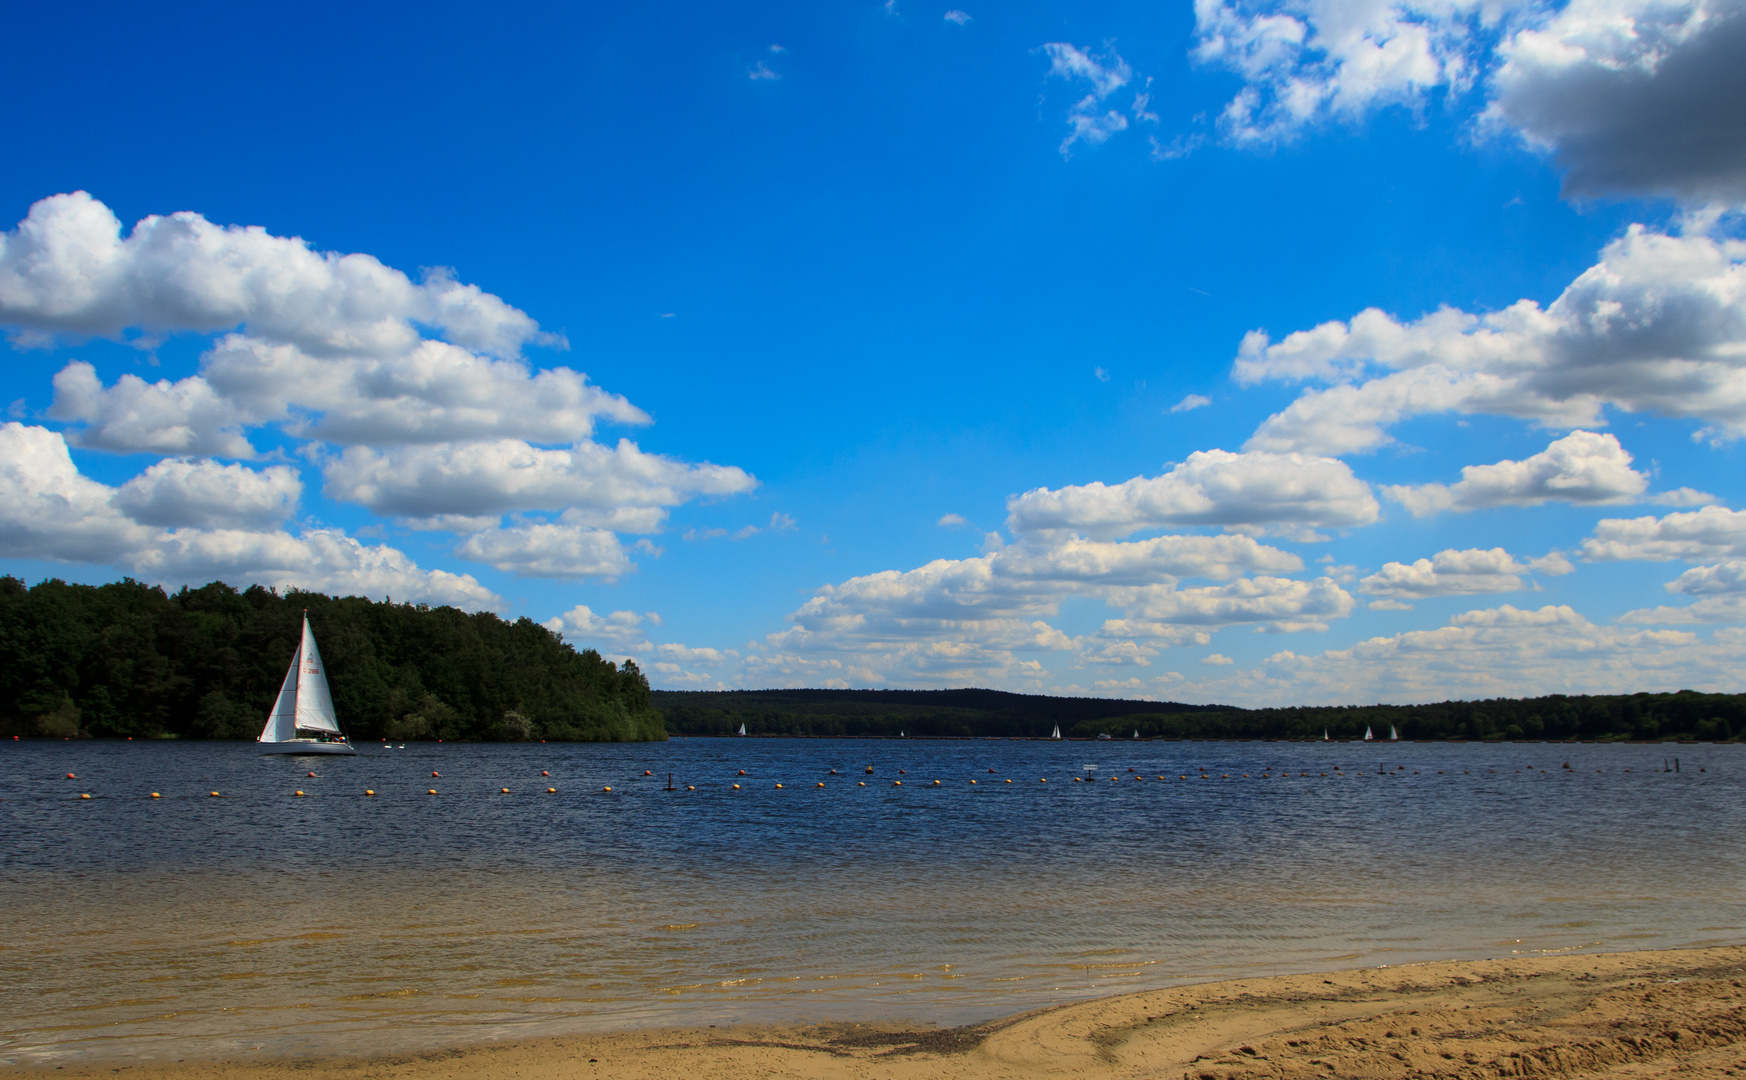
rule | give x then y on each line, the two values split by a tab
1112	348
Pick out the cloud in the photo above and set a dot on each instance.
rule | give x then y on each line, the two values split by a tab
953	521
210	496
961	18
1720	592
1713	532
1633	97
1305	63
67	269
760	72
1181	615
432	393
1088	120
1216	659
620	487
1456	573
1283	493
1498	652
48	510
1658	325
1582	467
580	625
546	550
1192	401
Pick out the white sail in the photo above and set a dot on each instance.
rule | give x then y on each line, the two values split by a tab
1324	734
1367	735
1393	736
304	702
742	729
1056	734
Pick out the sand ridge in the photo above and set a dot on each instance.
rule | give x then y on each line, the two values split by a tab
1620	1015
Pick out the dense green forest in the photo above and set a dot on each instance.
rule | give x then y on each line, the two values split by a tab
125	659
986	713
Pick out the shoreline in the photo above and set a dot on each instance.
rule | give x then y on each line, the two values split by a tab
1585	1014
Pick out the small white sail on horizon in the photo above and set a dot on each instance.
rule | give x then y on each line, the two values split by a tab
1325	735
1056	734
304	705
1393	736
1367	736
742	730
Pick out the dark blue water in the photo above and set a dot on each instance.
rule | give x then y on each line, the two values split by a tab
337	921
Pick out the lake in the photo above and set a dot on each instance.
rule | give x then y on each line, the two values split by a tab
263	923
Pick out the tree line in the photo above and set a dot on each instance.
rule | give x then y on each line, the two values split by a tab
128	659
990	714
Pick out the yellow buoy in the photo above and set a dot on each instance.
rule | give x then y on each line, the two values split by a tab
367	791
821	783
1044	780
936	783
85	796
1009	781
972	781
778	785
690	787
503	791
736	787
432	791
862	783
155	795
551	791
609	788
213	794
897	783
297	793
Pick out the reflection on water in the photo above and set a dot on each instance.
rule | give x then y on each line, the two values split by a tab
337	922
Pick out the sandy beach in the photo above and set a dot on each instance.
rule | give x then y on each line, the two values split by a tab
1614	1015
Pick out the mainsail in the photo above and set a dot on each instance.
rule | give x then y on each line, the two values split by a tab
304	702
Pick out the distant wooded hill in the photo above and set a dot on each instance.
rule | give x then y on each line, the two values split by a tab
991	713
128	659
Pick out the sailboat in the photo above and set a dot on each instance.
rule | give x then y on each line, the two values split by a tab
1325	735
742	730
303	721
1056	734
1367	736
1136	733
1393	735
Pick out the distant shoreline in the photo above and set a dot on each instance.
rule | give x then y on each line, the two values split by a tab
1576	1015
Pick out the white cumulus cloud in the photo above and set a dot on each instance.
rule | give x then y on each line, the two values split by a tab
1583	467
210	495
1290	494
549	550
1454	573
1657	326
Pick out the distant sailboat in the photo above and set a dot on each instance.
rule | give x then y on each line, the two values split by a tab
1325	735
1393	736
1367	736
742	730
303	721
1136	733
1056	734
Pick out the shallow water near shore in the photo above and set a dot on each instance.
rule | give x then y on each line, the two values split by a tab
263	923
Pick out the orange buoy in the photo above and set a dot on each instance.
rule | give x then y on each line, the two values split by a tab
367	791
778	785
1009	781
213	794
861	783
85	796
551	791
821	783
897	783
295	793
503	791
742	772
432	791
1044	780
155	795
545	773
433	772
645	773
690	787
70	776
972	781
936	783
606	788
312	774
736	787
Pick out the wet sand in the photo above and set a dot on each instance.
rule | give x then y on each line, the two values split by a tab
1609	1015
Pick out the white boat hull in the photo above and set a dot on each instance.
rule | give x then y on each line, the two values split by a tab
306	746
